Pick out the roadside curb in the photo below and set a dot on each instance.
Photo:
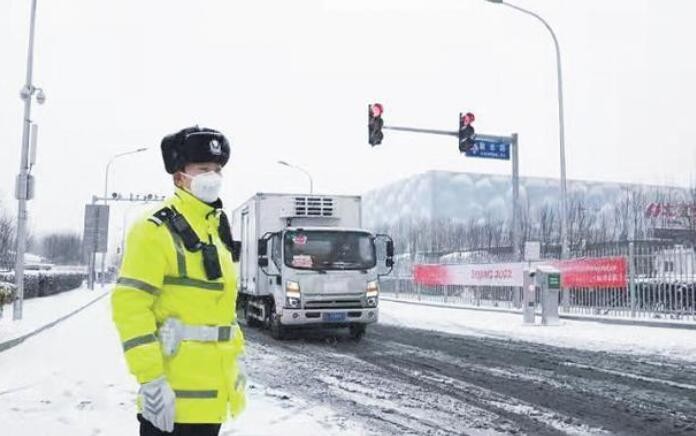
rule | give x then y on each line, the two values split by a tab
4	346
617	321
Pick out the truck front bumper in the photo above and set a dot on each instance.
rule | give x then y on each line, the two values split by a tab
329	317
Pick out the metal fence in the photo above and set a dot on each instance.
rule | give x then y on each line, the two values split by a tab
660	284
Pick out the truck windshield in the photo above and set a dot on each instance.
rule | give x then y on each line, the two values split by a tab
329	250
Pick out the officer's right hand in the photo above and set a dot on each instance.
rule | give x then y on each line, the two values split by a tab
157	400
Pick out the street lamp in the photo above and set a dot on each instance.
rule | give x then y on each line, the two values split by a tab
108	165
24	188
311	183
106	191
561	126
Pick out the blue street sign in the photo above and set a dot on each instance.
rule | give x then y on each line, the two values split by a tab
487	149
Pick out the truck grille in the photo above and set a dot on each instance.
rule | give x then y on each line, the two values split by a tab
314	207
334	304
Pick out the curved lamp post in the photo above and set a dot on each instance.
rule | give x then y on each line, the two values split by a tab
561	124
309	176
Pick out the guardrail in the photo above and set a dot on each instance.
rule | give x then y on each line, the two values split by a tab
657	284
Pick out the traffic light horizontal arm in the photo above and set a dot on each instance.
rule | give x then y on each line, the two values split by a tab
413	129
482	137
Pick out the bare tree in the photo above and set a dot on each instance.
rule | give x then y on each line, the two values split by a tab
547	225
691	209
7	239
62	248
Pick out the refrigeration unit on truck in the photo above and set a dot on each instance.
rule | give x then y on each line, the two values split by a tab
306	262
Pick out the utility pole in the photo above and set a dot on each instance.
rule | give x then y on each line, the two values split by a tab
24	189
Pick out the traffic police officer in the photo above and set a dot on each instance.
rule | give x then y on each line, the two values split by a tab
174	302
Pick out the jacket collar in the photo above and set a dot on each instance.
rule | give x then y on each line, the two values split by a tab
187	204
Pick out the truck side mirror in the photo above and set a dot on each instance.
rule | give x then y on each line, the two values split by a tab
263	247
390	248
263	262
236	250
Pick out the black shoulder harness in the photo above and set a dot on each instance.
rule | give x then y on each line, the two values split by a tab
235	247
178	224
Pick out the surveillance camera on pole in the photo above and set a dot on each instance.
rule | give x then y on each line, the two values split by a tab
40	96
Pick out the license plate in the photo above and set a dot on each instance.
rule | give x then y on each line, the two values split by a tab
334	316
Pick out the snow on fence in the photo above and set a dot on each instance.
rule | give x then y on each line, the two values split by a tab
651	284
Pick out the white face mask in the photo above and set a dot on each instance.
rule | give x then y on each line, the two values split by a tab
206	187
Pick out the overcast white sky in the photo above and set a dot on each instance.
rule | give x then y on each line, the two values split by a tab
291	80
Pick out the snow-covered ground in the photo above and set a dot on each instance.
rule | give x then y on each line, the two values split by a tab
38	312
72	380
589	335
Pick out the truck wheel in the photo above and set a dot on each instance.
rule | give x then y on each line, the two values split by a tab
278	331
250	320
357	331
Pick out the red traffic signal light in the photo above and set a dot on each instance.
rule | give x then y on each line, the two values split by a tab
377	109
375	124
467	133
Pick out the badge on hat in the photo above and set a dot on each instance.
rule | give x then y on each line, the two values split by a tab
215	147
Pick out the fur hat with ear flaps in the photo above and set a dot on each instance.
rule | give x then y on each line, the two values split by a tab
194	145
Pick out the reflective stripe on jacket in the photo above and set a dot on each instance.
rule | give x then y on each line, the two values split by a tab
160	279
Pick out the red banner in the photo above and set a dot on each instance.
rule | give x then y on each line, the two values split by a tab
598	272
430	275
494	274
603	272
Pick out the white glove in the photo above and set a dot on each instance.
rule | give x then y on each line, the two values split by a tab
157	400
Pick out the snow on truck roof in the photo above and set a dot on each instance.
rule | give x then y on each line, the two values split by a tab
280	194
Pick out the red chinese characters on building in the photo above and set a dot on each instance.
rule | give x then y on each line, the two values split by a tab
670	210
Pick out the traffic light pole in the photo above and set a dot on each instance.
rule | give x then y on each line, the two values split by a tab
514	156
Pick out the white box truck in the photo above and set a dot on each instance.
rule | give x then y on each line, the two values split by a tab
306	262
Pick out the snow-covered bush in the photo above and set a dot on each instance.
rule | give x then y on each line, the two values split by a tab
43	283
7	293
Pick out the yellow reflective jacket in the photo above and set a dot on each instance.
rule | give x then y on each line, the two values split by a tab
160	279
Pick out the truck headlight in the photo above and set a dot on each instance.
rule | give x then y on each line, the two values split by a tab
292	289
372	289
292	302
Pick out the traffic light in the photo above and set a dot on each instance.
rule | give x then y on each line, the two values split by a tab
466	132
375	123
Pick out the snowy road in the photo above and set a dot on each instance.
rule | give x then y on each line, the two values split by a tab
407	381
72	380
